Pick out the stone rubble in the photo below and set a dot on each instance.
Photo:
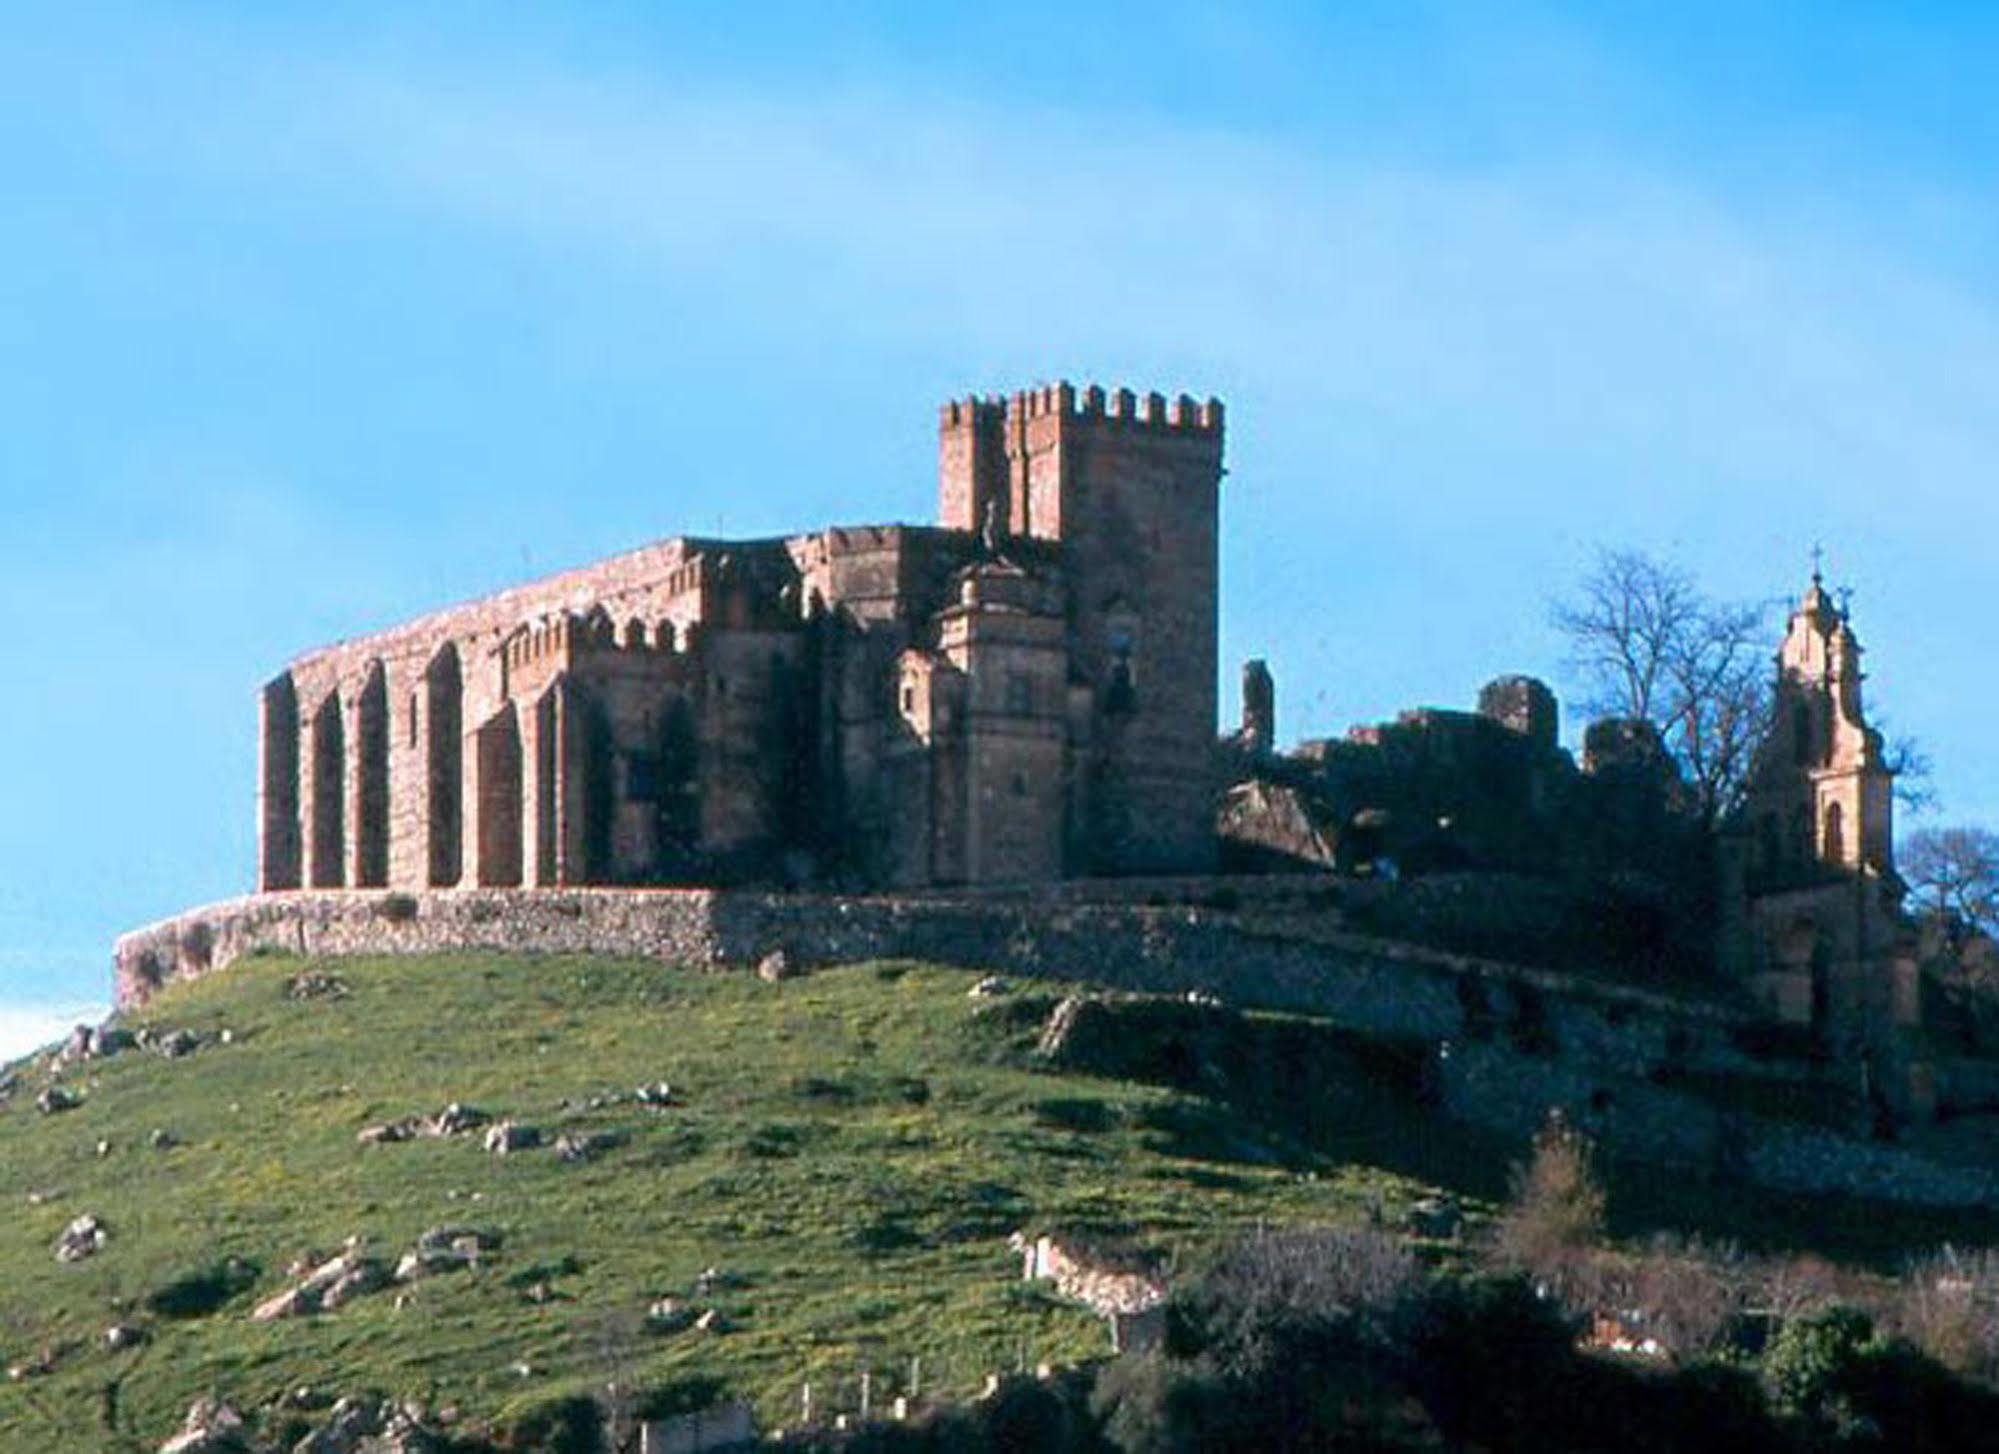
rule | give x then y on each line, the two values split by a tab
444	1249
325	1287
574	1146
84	1237
211	1427
503	1138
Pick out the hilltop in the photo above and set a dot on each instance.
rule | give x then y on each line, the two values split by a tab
849	1150
831	1164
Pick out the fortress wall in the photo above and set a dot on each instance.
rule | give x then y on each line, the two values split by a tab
1507	1042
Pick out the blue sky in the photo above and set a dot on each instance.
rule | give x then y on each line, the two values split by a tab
319	317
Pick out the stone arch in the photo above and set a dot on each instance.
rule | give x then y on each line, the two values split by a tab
371	781
279	856
444	767
326	832
498	760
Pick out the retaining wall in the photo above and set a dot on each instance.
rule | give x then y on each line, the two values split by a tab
1511	1041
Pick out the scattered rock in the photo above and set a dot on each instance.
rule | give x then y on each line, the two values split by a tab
333	1282
120	1336
316	984
39	1366
582	1145
775	966
161	1139
56	1099
103	1149
84	1237
455	1120
1204	998
177	1043
991	987
388	1132
444	1249
363	1277
349	1422
506	1137
713	1280
44	1196
712	1321
211	1427
659	1096
668	1315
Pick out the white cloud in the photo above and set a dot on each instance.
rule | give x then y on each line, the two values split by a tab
29	1027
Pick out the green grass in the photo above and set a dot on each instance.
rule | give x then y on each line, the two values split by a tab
854	1148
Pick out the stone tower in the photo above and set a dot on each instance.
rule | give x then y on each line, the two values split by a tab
1818	895
1129	487
1823	796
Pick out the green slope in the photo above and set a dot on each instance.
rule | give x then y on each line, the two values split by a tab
852	1148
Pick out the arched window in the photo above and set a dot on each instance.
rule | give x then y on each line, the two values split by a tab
1835	834
1120	658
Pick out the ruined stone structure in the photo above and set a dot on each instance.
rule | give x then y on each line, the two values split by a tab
1024	691
1814	902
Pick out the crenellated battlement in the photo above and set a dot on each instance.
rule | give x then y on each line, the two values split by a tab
1183	414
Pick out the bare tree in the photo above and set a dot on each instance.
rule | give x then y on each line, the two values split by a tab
1651	646
1954	873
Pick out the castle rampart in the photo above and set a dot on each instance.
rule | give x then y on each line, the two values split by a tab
1505	1043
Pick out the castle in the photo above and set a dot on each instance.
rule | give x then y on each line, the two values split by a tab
1025	691
993	742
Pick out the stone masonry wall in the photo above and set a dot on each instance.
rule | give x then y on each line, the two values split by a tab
1508	1042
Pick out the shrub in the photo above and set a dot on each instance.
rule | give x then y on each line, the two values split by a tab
1556	1210
1809	1363
205	1290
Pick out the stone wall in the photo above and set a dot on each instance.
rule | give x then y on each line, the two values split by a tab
1509	1042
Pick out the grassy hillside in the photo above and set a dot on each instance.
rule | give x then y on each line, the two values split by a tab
851	1150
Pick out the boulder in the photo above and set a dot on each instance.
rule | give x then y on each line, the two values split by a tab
659	1096
444	1249
55	1099
455	1120
991	987
349	1423
291	1303
315	984
576	1146
775	966
505	1137
211	1427
177	1043
82	1238
668	1315
120	1336
387	1132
